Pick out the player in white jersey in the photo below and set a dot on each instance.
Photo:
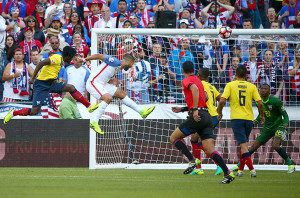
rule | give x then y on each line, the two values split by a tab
99	85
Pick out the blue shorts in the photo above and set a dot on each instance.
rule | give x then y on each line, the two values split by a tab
42	88
241	130
215	121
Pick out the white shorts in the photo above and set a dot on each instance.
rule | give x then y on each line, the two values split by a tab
97	89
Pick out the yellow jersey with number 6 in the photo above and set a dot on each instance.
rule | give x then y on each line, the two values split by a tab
240	94
50	72
212	94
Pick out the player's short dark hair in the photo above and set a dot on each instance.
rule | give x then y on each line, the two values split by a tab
68	51
265	84
188	67
203	73
128	57
241	71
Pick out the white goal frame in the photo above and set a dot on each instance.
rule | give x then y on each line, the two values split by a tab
170	32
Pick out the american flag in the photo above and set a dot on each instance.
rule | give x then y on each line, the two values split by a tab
50	110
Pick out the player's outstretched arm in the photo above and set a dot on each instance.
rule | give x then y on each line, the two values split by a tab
260	106
93	57
220	108
38	68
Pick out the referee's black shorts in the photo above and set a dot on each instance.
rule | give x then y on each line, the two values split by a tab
203	127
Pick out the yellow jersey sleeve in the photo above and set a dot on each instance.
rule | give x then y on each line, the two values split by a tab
211	103
50	72
256	96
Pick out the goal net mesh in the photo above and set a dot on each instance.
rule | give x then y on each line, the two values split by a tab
155	79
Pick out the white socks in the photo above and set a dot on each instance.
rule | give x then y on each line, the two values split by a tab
98	112
130	103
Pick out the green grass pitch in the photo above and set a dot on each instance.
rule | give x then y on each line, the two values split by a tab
85	183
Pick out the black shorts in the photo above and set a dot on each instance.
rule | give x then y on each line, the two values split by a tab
203	127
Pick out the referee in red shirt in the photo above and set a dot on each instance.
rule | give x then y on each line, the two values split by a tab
199	121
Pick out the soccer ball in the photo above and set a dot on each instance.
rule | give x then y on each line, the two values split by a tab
225	32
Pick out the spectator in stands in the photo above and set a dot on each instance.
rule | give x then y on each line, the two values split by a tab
254	66
48	46
195	6
19	23
55	47
16	77
183	24
39	14
76	75
29	43
236	18
168	4
193	22
235	62
139	75
135	21
236	51
106	21
127	24
244	41
282	55
154	57
176	60
114	6
250	11
143	14
124	15
297	23
8	53
288	13
161	80
79	28
271	74
68	11
199	52
35	58
57	9
271	15
57	25
32	23
179	5
74	20
294	72
275	25
81	49
210	17
23	10
94	6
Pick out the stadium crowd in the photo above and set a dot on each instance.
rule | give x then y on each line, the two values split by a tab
33	30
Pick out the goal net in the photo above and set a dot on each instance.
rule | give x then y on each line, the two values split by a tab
155	79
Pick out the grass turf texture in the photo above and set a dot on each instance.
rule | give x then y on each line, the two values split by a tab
81	182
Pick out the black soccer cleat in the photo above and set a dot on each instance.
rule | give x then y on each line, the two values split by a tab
192	166
228	178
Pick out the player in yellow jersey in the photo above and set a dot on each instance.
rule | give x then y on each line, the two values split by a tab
47	82
211	103
240	94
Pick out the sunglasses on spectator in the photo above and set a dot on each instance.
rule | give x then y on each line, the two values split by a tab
39	6
31	21
68	7
74	15
132	17
128	43
54	43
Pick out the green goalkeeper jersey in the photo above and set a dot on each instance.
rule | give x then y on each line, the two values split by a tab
274	111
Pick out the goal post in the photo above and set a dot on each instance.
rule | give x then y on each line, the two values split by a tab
134	143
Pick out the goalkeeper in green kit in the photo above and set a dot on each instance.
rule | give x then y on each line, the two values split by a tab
276	120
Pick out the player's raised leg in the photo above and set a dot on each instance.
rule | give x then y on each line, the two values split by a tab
130	103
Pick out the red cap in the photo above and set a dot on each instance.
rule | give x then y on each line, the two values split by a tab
99	2
19	49
26	29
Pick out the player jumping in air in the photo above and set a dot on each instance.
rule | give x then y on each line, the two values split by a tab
199	121
101	85
47	82
274	127
211	103
240	94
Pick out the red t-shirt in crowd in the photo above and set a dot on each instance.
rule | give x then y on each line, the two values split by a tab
37	42
187	82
